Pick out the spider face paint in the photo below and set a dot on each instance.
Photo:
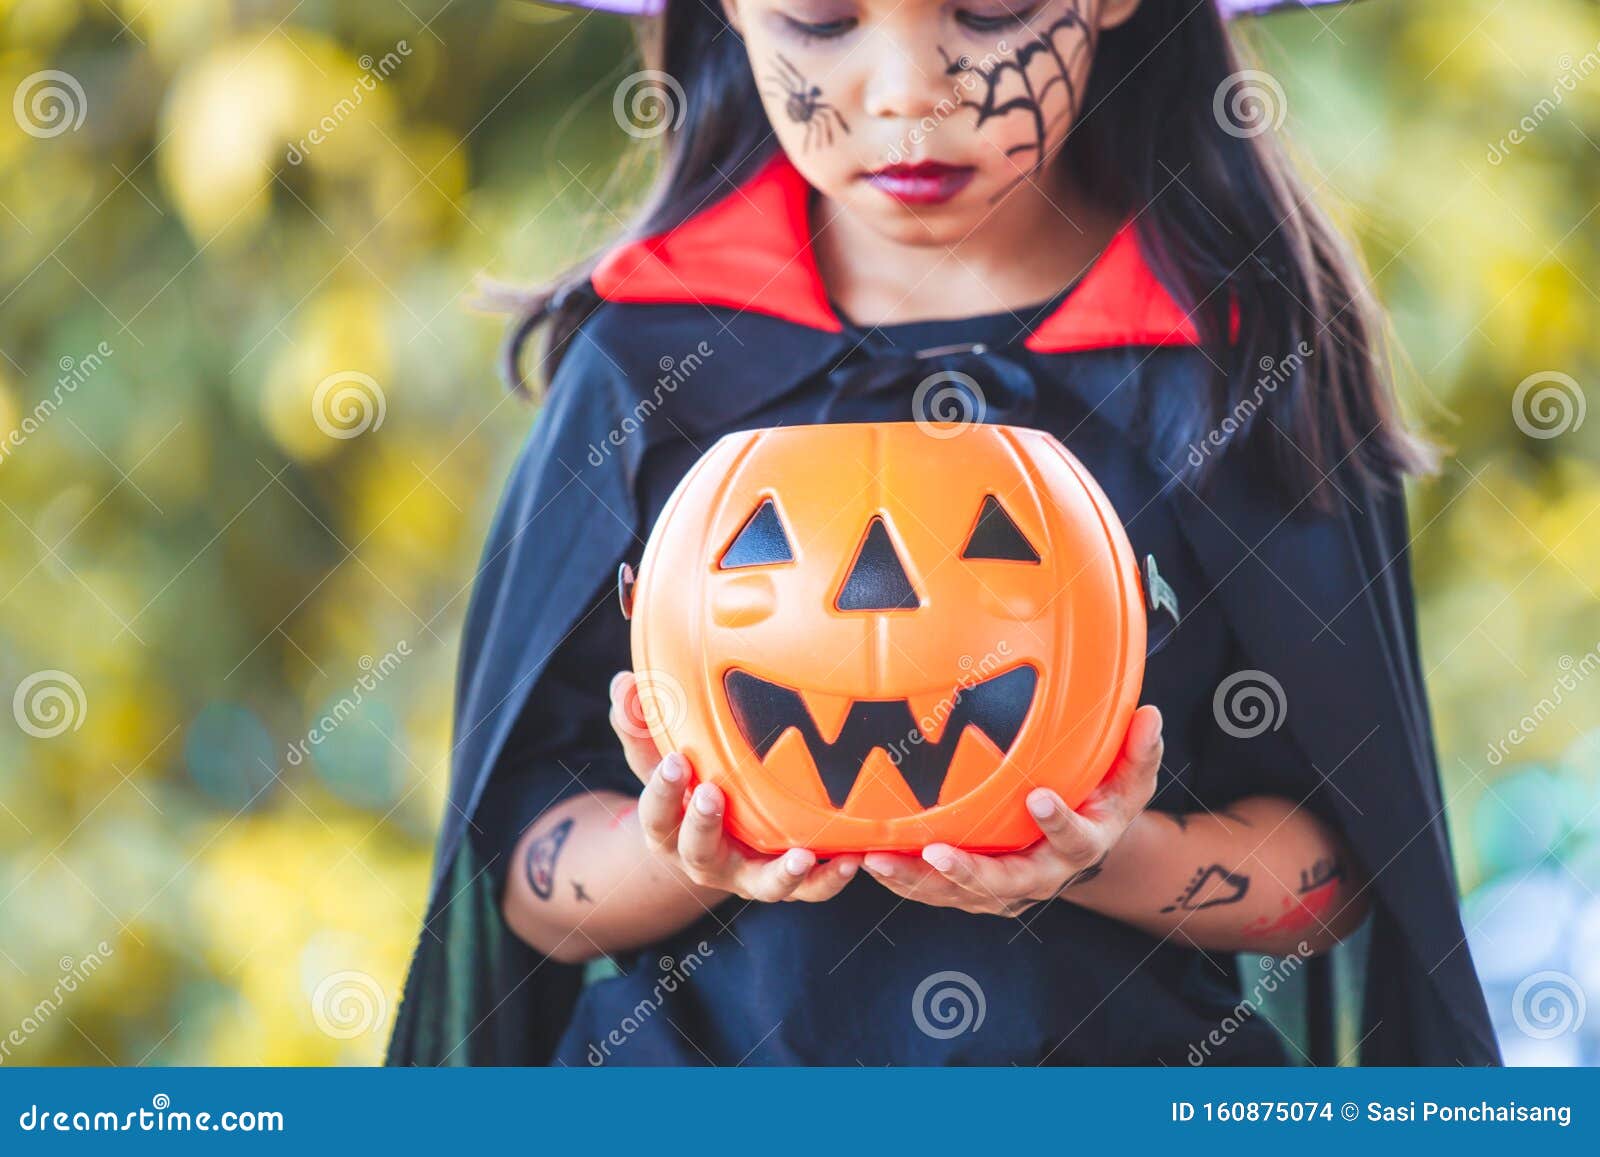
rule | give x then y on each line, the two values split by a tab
1024	84
803	104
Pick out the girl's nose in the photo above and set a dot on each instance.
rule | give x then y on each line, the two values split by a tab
907	78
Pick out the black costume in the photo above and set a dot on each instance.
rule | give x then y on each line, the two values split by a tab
1321	604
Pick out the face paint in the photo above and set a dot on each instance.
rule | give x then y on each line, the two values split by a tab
540	864
803	104
1319	887
916	150
1032	87
1319	874
1209	887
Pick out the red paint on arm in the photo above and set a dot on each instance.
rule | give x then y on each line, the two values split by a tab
1299	912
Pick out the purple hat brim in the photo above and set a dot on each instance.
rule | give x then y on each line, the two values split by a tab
1235	8
644	8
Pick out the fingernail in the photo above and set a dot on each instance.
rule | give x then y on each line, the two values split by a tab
884	870
705	800
847	868
796	862
939	856
1153	736
1041	804
672	768
614	680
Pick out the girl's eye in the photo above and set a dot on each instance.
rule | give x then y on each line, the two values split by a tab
995	22
827	31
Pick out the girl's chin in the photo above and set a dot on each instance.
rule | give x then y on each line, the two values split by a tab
943	224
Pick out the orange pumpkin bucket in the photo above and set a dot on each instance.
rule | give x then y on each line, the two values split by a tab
875	636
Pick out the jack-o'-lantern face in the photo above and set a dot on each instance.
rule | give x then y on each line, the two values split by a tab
874	637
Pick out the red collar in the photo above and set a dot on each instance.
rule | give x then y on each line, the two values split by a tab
752	250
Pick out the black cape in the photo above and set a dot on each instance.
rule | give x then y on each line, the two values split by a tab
1323	603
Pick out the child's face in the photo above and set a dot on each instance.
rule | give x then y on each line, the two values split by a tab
979	93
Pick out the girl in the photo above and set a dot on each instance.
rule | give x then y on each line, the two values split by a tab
1067	205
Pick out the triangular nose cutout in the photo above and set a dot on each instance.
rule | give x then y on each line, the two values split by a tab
877	581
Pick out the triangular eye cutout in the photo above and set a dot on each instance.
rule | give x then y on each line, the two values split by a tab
996	536
877	580
761	541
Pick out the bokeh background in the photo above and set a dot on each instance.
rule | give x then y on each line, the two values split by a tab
251	437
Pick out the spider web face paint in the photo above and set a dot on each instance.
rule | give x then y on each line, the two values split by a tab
803	105
1016	86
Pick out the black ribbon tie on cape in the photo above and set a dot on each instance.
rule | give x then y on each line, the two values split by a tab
967	382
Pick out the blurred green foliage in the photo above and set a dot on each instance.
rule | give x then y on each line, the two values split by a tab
256	439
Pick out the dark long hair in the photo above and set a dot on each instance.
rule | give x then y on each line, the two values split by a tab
1224	219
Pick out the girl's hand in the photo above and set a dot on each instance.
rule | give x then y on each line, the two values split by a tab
1074	843
684	828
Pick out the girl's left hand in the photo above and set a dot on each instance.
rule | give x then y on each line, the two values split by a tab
1074	842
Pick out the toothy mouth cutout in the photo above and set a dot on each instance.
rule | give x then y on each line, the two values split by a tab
921	750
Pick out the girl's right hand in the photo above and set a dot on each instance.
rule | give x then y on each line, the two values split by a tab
684	828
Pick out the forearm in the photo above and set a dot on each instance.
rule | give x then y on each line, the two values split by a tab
1264	875
582	883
